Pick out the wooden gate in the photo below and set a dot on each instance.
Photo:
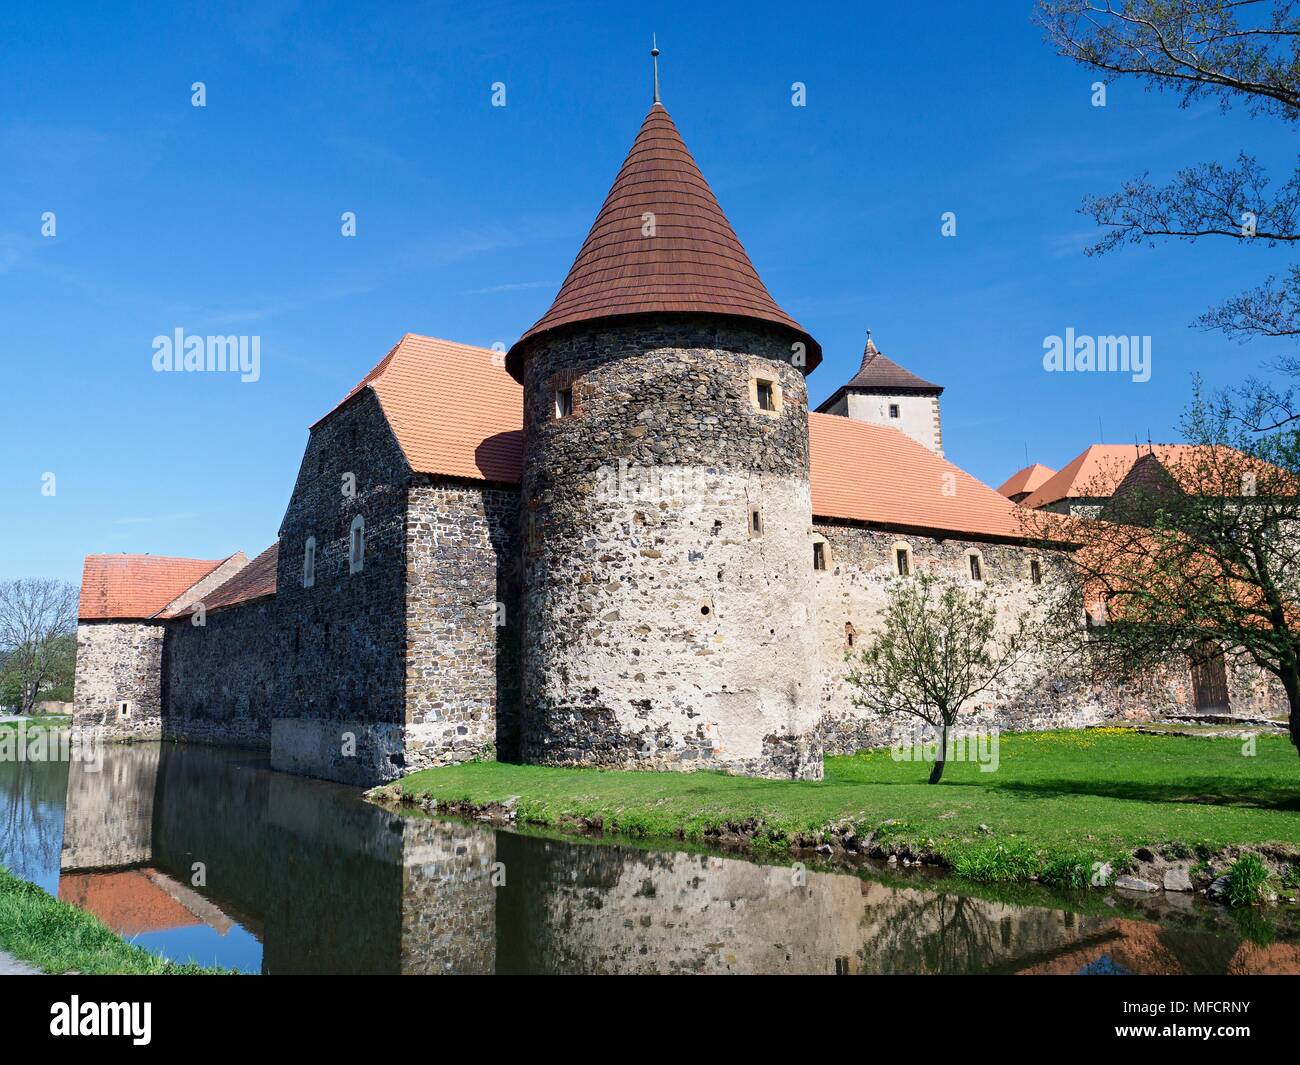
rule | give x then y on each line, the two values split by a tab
1210	683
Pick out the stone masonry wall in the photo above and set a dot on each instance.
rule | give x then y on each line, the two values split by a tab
117	662
852	594
223	679
462	622
345	636
364	675
661	630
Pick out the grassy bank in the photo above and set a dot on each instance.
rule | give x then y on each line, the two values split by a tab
52	721
1057	802
39	929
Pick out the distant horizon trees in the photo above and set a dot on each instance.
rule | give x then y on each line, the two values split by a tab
38	624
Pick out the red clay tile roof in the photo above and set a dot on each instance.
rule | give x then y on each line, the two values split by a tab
1097	472
453	408
694	263
129	902
1027	480
254	581
455	411
136	586
877	475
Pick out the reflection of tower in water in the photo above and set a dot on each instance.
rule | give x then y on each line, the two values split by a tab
328	883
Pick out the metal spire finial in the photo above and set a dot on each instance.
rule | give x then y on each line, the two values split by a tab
654	58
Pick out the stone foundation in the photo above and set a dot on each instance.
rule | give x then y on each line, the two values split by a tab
349	751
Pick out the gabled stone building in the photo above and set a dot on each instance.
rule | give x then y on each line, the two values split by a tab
627	543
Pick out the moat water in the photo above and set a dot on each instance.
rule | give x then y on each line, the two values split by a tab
205	854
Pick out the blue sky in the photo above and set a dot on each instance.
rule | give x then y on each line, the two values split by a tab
225	219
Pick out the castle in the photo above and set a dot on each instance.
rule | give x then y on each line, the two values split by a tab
626	544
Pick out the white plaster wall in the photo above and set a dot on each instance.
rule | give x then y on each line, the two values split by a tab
918	416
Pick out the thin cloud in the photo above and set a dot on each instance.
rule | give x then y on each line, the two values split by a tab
513	287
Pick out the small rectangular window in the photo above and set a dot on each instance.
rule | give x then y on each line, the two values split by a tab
819	556
1035	571
124	710
904	563
357	545
893	410
756	522
563	402
976	574
766	396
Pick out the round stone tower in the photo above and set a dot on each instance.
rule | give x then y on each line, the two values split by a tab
666	512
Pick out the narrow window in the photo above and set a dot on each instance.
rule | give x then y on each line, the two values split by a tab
765	396
357	545
563	402
893	410
123	709
976	572
755	522
309	563
819	556
1035	571
849	633
903	562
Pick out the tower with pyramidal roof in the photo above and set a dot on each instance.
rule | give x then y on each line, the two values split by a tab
665	499
884	393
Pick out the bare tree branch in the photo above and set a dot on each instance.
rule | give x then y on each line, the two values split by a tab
1247	50
1202	201
1270	310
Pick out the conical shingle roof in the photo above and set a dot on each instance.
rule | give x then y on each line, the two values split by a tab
692	262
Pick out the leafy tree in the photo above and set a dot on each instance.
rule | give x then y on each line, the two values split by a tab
38	621
936	650
1244	52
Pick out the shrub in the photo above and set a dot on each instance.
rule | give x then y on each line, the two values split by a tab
1246	880
1067	869
994	861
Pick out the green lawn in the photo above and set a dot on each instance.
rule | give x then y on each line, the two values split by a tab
1057	799
53	721
37	928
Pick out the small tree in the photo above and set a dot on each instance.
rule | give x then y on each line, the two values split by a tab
937	650
38	618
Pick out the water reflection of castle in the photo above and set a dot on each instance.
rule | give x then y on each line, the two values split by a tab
327	883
